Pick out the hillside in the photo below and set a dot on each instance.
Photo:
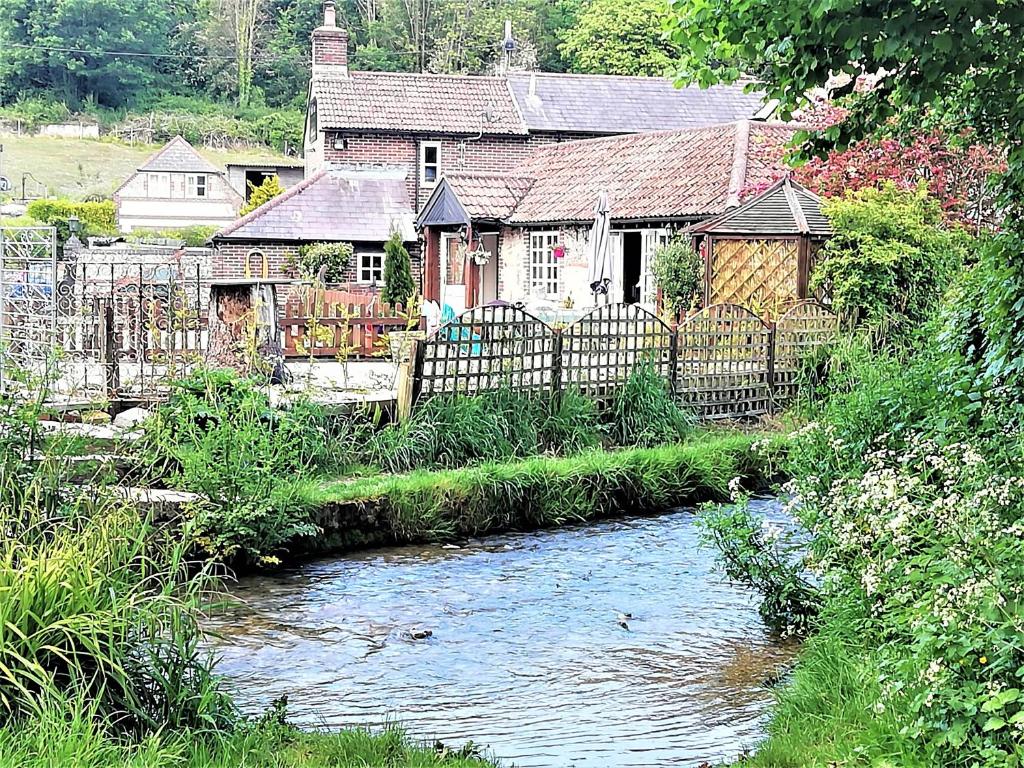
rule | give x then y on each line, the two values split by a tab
78	168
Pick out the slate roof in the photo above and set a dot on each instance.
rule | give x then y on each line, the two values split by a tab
610	104
401	101
332	205
522	103
785	208
178	155
690	174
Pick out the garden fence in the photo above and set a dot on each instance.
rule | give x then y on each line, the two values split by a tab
722	362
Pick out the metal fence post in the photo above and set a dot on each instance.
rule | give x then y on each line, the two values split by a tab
108	348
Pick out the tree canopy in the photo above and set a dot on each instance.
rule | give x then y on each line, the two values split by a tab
617	38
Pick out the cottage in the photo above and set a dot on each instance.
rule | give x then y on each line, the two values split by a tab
176	187
523	237
358	206
428	126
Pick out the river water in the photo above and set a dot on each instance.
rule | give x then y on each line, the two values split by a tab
614	644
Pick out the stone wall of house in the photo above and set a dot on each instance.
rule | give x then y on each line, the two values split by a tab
514	265
229	259
488	154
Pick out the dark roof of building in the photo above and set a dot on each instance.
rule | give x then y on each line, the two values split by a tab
333	205
785	208
522	102
178	155
610	104
400	101
688	174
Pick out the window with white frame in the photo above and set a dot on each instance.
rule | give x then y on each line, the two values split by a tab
371	267
543	265
430	162
195	184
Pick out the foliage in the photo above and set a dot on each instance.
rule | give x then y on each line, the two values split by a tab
620	38
679	273
264	193
643	413
96	218
399	287
761	554
218	435
332	259
889	259
193	237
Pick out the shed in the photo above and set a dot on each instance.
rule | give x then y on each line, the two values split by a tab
760	254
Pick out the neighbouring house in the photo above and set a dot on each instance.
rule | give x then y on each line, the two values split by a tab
176	187
358	206
523	237
243	176
428	126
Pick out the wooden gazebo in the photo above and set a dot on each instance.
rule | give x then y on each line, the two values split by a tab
760	254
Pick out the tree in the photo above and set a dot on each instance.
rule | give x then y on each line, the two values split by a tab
679	273
399	287
265	192
620	37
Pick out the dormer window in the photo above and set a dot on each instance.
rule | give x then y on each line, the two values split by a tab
430	162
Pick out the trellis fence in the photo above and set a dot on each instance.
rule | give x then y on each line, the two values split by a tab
722	362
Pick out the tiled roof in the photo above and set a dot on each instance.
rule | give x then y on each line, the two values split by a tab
178	155
332	205
268	162
486	196
398	101
680	174
609	104
785	208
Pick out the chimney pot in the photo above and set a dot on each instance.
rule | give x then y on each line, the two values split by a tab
330	14
330	45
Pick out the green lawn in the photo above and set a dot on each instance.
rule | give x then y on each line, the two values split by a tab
77	168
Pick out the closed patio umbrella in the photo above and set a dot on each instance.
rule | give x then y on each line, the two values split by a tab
600	266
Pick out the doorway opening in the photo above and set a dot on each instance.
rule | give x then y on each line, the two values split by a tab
632	258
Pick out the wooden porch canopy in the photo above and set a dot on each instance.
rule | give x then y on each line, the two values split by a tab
760	254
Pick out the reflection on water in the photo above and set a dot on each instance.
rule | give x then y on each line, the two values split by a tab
611	645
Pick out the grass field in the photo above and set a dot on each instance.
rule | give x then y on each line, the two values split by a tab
78	168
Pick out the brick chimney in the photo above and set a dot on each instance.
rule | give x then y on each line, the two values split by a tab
330	46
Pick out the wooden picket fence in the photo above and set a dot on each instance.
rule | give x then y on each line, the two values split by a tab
723	362
333	323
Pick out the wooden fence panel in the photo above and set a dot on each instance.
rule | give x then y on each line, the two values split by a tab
601	349
723	367
799	333
345	323
487	348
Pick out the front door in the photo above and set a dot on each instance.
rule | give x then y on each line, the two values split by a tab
453	274
489	271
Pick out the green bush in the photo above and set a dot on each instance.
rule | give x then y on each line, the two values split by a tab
264	193
194	237
679	273
334	258
217	435
889	260
97	218
399	287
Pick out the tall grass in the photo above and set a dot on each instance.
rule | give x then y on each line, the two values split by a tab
643	413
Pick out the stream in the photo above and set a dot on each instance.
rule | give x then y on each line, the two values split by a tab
614	644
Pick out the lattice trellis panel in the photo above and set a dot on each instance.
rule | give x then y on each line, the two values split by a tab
805	328
600	350
487	348
722	367
757	273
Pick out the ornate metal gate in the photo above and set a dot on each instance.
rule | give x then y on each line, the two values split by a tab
28	307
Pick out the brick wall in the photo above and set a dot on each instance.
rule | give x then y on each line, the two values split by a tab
489	154
229	259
